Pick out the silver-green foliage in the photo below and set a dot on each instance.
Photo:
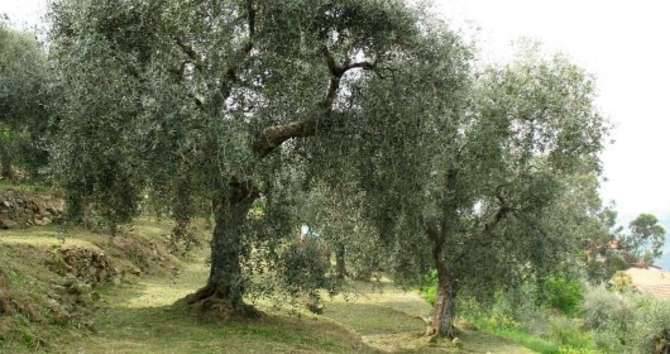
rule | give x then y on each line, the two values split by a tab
627	322
243	101
24	99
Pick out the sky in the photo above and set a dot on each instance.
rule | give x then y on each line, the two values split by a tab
623	43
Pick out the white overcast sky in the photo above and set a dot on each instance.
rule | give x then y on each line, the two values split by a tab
623	43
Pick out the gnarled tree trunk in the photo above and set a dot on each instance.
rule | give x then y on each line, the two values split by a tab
225	287
445	310
444	313
6	159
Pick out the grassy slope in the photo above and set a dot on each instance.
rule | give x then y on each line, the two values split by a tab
140	318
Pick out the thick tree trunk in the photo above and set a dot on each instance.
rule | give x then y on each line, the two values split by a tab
340	263
445	310
225	287
7	172
445	304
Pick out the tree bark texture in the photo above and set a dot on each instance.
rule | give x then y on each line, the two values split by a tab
445	305
7	172
340	263
445	310
225	287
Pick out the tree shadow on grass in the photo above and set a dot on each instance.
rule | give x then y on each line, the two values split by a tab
131	322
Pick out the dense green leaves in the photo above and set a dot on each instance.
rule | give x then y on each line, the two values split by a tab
168	96
366	120
26	98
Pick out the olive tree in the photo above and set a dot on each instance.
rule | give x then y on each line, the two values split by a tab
225	100
481	170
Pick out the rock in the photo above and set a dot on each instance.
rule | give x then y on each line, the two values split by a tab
42	221
84	264
23	209
6	224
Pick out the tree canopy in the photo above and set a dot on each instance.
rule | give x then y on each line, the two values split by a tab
484	191
251	104
205	95
24	100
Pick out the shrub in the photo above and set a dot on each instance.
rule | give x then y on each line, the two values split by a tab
429	288
652	328
564	294
621	282
569	333
628	322
609	315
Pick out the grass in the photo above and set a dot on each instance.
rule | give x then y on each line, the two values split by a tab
25	187
140	317
529	341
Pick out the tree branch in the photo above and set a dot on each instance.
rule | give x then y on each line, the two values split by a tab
502	212
231	74
338	70
271	137
189	51
251	18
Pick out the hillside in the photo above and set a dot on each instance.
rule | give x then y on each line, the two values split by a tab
133	312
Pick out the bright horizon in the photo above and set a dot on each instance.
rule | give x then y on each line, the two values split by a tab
620	42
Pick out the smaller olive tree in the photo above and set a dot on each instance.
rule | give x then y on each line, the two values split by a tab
481	171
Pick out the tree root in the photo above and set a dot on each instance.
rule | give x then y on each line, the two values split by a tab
210	302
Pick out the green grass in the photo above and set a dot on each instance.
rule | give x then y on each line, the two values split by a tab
25	187
529	341
140	317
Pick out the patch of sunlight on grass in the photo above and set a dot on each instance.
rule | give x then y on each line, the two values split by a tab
157	292
386	294
151	227
389	319
24	187
48	236
529	341
169	329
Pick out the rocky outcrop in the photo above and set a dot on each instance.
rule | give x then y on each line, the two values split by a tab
89	265
23	209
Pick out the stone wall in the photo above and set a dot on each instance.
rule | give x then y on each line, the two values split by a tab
24	209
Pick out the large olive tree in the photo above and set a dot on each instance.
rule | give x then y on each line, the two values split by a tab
225	100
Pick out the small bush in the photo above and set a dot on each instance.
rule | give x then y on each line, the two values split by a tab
569	333
628	322
609	315
621	282
652	327
429	288
564	294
